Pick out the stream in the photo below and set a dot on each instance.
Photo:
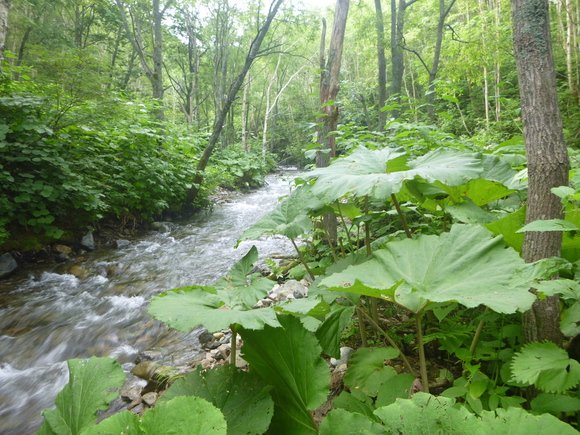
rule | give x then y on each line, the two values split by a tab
47	317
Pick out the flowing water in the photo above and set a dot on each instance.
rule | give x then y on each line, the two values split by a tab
48	317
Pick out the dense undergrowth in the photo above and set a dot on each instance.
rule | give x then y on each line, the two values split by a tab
64	167
423	275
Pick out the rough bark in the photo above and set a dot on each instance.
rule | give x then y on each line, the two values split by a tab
4	7
220	118
329	84
545	147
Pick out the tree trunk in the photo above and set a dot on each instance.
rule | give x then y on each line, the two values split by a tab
329	84
329	87
443	12
546	151
4	7
229	100
153	72
382	66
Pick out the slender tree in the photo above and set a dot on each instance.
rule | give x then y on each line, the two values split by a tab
382	67
545	147
153	69
329	84
397	60
4	7
235	87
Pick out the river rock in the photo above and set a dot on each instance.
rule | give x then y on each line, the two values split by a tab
150	398
62	251
78	271
122	244
240	362
162	227
7	265
289	290
345	354
88	242
131	392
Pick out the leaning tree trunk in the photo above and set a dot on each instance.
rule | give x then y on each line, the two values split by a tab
220	118
546	150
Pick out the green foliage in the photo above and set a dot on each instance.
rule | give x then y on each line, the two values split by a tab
228	302
288	358
84	395
465	265
289	218
238	394
241	169
546	366
381	173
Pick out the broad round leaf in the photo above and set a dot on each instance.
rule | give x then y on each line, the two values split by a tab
189	307
184	415
343	422
241	396
381	173
467	265
87	392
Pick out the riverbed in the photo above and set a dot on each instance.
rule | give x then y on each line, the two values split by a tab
47	317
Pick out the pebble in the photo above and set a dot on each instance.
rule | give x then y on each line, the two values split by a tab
150	398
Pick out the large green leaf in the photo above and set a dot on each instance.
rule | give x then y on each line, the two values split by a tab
239	287
427	414
516	421
424	413
289	218
217	307
288	358
329	332
381	173
242	397
343	422
87	392
547	366
189	307
367	371
466	265
125	422
184	415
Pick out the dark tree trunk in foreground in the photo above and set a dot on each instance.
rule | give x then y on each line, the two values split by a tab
546	151
235	87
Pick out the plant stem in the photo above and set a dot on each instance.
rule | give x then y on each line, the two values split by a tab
391	342
233	344
422	360
400	213
477	335
346	230
302	259
342	248
361	327
374	308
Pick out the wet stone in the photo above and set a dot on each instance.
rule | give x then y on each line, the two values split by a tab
150	398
